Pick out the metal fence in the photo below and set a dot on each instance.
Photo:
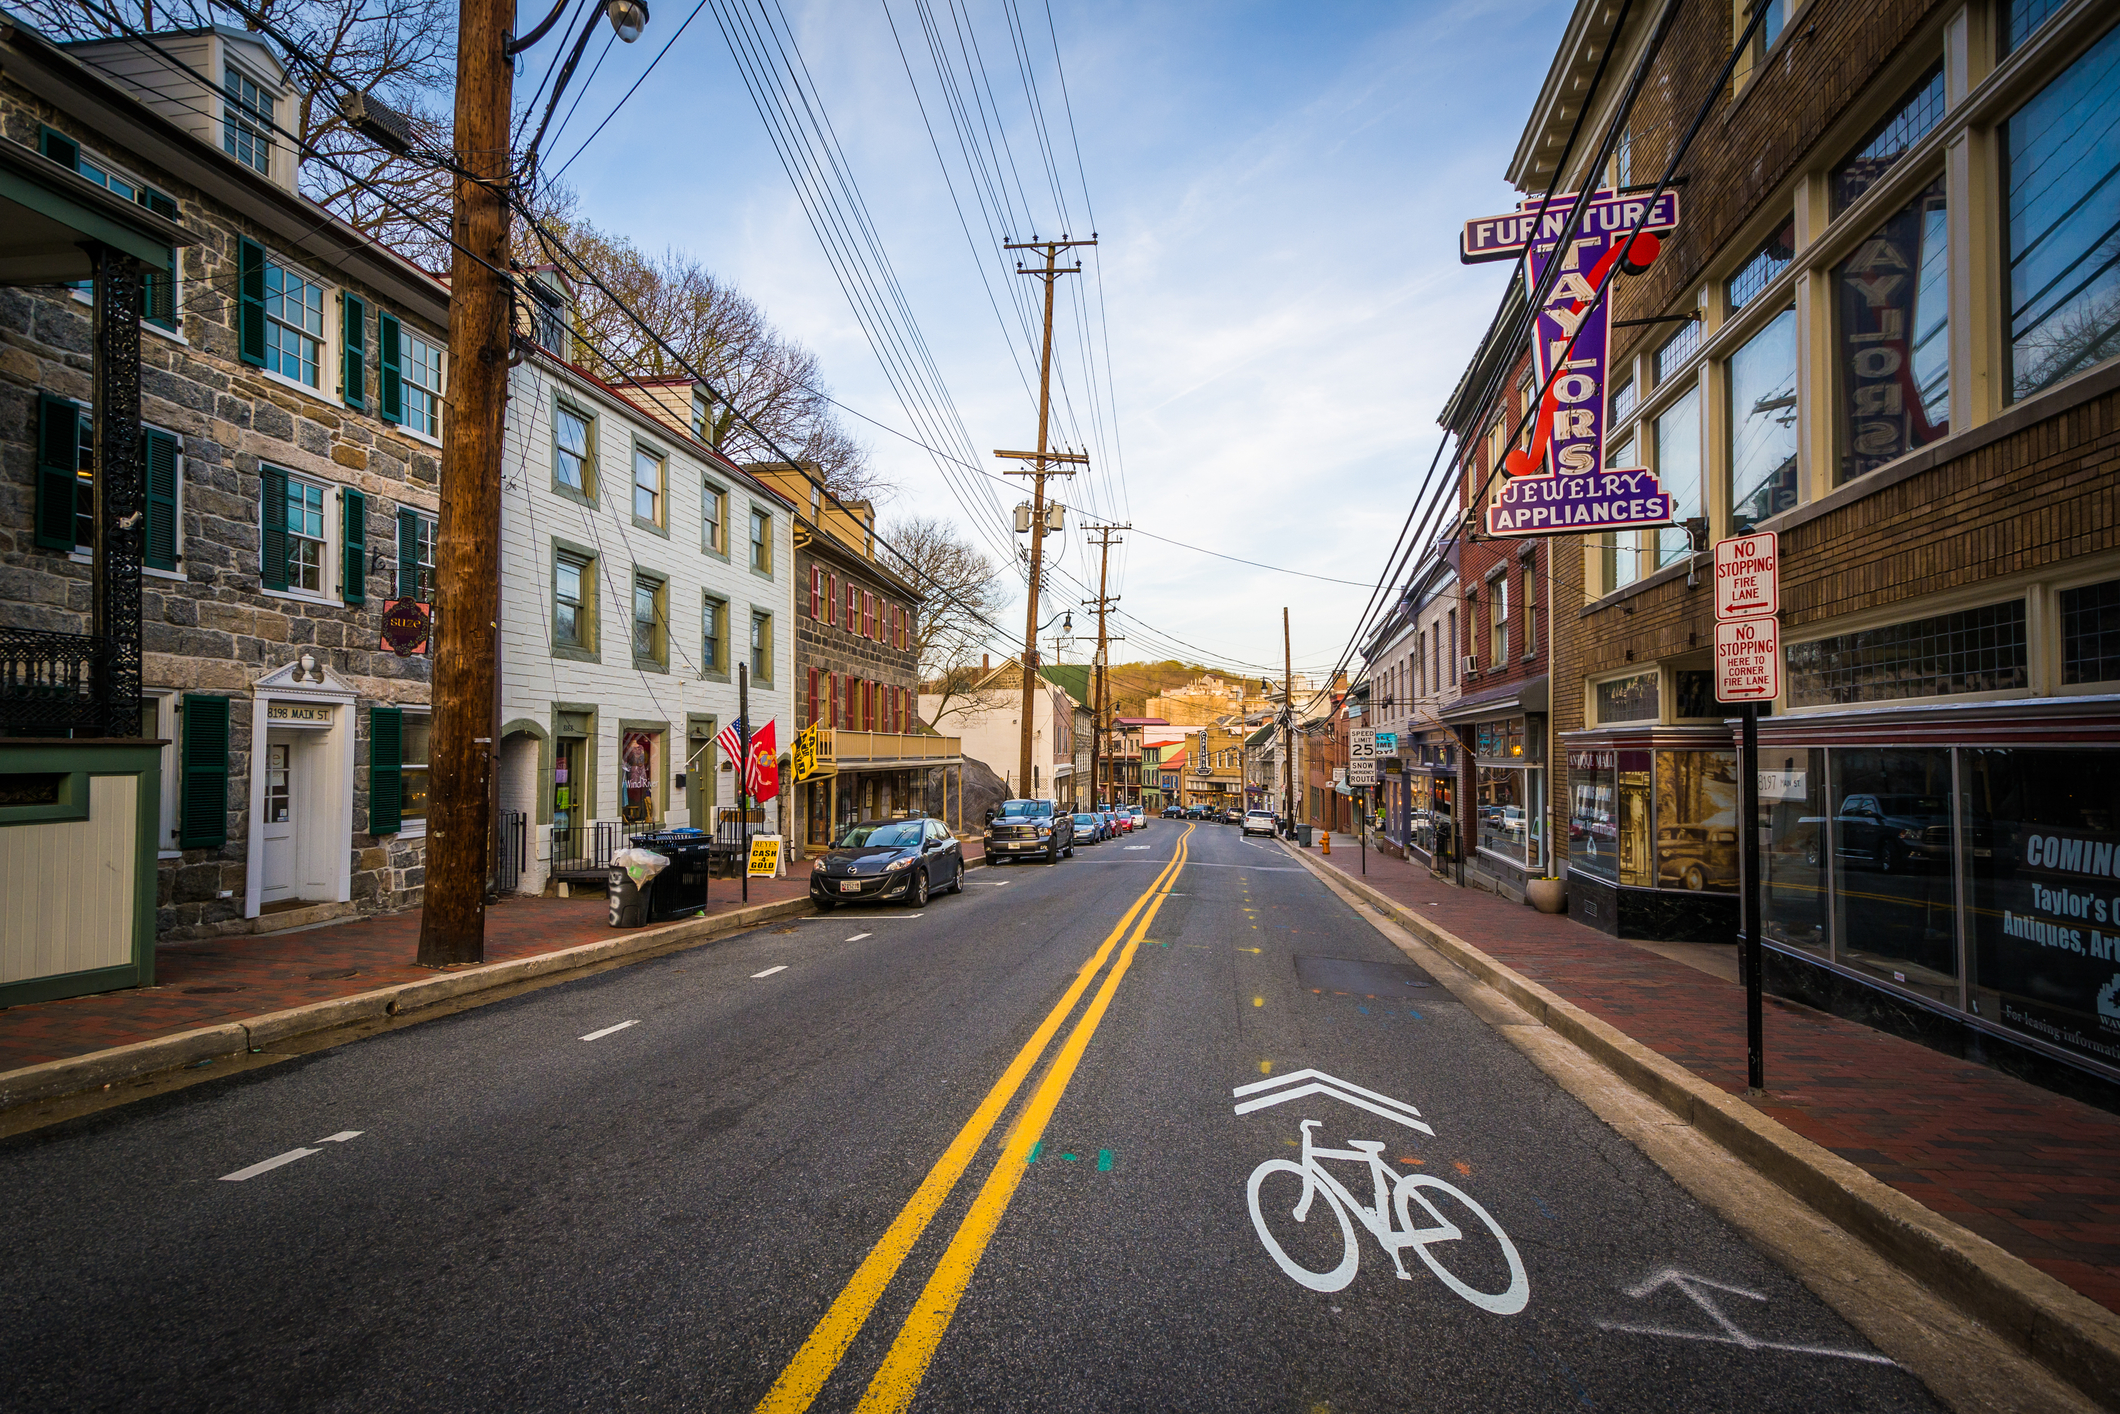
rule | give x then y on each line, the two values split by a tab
47	683
587	849
511	850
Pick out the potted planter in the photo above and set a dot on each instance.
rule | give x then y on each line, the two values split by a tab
1547	895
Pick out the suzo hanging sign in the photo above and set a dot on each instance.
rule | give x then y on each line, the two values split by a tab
1560	485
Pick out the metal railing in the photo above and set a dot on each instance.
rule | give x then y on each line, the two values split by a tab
48	683
587	849
837	745
511	838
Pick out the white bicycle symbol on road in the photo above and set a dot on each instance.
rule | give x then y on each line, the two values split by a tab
1394	1230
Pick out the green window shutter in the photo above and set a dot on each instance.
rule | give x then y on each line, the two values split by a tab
60	148
272	521
58	455
203	804
388	361
353	547
158	296
161	500
386	782
251	278
408	584
353	360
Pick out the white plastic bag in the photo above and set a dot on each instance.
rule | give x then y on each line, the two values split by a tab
640	865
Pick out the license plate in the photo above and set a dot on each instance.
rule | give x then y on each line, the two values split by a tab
850	887
1983	854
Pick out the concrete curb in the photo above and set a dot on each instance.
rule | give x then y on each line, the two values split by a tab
53	1079
2062	1329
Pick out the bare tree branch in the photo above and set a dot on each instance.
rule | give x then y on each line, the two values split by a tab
962	585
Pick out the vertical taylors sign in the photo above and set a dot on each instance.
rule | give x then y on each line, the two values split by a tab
1560	485
1892	338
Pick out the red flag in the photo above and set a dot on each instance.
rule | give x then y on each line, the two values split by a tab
764	776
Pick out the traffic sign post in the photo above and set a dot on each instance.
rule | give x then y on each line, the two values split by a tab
1748	672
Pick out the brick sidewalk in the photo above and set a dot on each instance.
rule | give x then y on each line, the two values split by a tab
216	980
2033	1172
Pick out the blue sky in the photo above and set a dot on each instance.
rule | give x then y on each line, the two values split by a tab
1277	191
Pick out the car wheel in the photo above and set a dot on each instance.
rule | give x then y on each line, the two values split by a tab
957	884
1887	860
1070	849
1695	880
1052	854
920	889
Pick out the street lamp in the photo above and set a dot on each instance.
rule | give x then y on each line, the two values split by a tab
628	17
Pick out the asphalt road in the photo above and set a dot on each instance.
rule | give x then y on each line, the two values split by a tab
519	1208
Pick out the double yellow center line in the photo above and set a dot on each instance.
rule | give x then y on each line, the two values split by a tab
899	1378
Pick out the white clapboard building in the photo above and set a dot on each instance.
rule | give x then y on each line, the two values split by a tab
639	570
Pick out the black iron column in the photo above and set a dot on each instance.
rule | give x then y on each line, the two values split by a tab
120	494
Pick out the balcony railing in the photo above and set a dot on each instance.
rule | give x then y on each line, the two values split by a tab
840	749
47	683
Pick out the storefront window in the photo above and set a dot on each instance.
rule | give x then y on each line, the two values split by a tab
2062	152
637	760
1763	424
1632	781
1890	316
1792	807
1696	820
2090	633
1593	821
1893	898
1972	650
2042	833
1503	816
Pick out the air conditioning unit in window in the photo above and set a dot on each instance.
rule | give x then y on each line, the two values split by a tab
1470	665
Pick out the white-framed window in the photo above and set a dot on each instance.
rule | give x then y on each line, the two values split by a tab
647	486
713	517
246	121
412	774
308	551
294	324
423	385
573	464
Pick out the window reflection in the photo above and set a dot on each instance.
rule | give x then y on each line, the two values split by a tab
1792	796
1892	833
1891	312
1763	424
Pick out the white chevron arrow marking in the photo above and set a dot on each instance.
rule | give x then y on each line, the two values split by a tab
1332	1087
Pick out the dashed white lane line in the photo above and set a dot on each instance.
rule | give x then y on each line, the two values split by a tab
280	1160
771	970
599	1035
859	936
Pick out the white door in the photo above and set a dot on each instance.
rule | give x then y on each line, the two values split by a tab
282	852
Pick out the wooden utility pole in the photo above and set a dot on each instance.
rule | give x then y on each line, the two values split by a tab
1100	695
1042	464
467	545
1288	719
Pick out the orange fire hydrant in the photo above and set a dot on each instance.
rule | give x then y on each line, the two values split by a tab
1325	842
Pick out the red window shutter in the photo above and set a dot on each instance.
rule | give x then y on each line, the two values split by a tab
831	599
835	702
812	718
853	609
868	614
816	608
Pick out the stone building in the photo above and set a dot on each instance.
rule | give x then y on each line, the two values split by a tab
1888	331
293	378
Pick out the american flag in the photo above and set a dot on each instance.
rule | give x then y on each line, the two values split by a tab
730	740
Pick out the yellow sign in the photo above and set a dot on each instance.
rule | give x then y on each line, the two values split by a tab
765	856
805	754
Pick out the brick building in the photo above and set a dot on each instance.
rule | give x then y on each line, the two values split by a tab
293	376
1890	320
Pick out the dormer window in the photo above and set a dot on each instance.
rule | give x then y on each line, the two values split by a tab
246	121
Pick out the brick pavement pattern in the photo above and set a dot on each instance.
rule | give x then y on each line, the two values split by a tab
2035	1173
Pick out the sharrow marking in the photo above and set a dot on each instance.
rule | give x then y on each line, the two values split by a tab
1698	1288
599	1035
269	1165
771	970
341	1137
859	936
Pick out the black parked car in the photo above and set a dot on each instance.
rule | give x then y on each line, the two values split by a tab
900	861
1019	828
1172	812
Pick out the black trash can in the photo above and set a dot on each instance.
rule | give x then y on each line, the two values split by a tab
681	888
629	906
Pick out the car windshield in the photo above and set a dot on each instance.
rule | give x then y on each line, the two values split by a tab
882	834
1259	814
1027	807
1085	819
